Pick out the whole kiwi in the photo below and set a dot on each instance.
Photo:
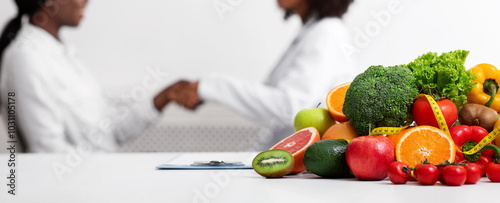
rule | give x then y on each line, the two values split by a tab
478	115
274	163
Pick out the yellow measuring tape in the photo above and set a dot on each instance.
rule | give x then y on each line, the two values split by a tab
442	125
387	130
437	113
486	140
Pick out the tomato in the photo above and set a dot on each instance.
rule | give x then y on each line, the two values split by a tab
427	174
423	114
474	173
493	172
398	172
440	169
483	161
454	175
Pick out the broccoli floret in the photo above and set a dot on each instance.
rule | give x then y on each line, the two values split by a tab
382	97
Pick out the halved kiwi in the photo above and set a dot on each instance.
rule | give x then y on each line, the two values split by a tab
274	163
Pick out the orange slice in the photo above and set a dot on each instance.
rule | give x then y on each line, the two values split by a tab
335	102
417	144
297	144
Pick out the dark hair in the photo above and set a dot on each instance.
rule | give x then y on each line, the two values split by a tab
326	8
10	31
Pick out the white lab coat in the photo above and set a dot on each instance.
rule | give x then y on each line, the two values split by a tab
60	106
313	64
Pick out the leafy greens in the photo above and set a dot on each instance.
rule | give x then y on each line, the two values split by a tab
443	76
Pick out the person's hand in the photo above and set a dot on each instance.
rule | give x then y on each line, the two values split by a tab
183	92
186	94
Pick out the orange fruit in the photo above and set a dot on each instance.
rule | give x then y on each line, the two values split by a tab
335	101
343	130
417	144
297	144
395	137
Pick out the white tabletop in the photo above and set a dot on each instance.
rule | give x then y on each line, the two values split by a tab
133	178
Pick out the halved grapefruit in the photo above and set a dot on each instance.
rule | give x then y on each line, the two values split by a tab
297	144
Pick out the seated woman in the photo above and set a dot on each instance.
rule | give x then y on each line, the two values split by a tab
60	106
313	64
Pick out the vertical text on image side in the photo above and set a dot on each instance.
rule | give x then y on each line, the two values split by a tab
11	143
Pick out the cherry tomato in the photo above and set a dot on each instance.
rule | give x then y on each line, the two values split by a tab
454	175
483	161
474	173
423	114
398	172
427	174
493	172
440	169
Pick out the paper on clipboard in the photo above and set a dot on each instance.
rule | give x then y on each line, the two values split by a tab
210	162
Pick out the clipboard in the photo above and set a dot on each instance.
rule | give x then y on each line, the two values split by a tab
205	165
202	165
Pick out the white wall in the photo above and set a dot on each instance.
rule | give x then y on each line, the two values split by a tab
120	39
186	38
428	25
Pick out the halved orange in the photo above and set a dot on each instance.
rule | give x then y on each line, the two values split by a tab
417	144
297	144
335	101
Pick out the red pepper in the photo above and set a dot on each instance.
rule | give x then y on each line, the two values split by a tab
466	137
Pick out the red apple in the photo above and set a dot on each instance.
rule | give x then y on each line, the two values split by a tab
369	156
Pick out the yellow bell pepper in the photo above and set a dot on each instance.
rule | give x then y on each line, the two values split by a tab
487	82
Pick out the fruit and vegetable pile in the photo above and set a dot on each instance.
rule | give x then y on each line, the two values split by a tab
429	120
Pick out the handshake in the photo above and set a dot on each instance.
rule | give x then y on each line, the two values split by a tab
182	92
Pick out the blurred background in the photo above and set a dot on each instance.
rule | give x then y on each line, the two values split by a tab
124	41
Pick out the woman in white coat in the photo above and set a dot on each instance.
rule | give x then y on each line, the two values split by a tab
59	106
313	64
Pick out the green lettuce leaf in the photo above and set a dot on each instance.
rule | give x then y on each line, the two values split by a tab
443	76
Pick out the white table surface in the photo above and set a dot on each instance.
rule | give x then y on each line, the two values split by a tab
129	177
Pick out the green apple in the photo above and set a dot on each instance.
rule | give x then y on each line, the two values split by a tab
319	118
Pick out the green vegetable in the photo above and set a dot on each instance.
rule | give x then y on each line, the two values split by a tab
443	76
382	97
